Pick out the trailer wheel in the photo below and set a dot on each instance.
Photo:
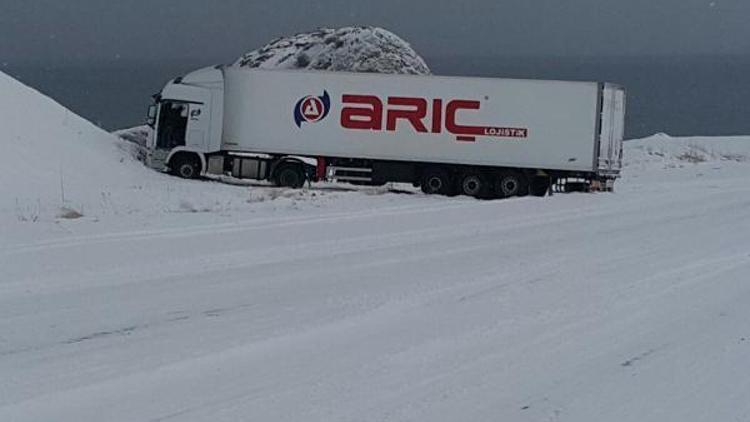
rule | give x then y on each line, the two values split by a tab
436	181
289	176
187	166
473	184
511	183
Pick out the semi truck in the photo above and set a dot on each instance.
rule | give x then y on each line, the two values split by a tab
481	137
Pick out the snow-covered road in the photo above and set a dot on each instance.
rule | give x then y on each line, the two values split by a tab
630	306
173	300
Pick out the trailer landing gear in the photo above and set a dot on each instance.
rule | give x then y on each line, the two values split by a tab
540	186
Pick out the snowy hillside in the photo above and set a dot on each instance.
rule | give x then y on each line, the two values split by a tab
57	165
352	49
51	157
663	149
192	300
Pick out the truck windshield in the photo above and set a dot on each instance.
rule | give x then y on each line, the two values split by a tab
172	125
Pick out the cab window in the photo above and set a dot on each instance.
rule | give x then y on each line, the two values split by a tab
172	125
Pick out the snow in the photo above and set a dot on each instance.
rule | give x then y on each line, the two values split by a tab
55	163
195	300
352	49
47	158
664	149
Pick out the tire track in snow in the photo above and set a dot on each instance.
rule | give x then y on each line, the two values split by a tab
210	229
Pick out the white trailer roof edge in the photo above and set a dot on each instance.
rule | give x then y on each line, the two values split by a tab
408	75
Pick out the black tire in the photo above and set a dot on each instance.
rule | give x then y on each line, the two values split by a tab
473	184
436	181
511	183
187	166
289	176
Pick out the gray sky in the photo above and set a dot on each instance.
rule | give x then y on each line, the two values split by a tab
84	30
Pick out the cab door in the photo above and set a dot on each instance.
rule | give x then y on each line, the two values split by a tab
199	121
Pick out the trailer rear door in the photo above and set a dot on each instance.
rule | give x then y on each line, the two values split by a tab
612	131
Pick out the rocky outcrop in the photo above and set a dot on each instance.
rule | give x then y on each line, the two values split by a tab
350	49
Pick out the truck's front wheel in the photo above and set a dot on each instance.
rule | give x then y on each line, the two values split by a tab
187	166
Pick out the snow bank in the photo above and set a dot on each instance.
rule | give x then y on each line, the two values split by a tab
666	150
52	158
351	49
138	135
57	165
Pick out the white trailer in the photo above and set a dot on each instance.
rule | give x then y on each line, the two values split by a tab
450	135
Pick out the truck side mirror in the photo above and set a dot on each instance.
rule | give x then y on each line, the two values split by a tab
151	119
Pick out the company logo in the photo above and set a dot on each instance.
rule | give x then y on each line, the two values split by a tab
312	109
430	116
368	112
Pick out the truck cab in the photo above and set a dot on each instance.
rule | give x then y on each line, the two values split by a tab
187	121
186	118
